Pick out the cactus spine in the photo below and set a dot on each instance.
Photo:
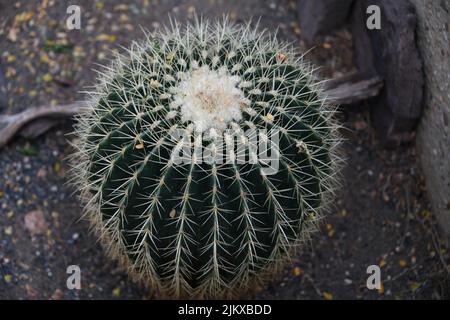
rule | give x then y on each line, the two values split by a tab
204	229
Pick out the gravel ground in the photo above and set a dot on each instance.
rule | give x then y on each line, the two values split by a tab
381	217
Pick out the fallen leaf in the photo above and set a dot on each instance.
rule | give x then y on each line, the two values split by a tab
381	290
24	16
106	37
327	296
12	34
10	72
57	166
414	286
426	214
35	222
297	271
31	292
47	77
121	7
57	294
116	292
330	229
10	58
8	230
343	213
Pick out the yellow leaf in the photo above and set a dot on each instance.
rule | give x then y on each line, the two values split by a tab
426	214
10	72
7	277
106	37
382	263
24	16
327	296
8	230
121	7
10	58
414	286
297	271
57	167
116	292
44	58
47	77
402	263
381	290
330	229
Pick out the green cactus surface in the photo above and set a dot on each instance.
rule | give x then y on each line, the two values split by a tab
205	228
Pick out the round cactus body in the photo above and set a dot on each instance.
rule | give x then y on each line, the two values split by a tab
191	225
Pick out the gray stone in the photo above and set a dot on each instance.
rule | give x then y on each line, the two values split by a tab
433	136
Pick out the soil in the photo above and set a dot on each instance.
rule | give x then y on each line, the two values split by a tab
381	216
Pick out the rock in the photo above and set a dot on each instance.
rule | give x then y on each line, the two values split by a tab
42	172
31	292
57	294
392	53
320	17
35	222
433	135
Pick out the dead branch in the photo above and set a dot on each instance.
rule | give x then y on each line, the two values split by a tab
31	123
351	89
11	124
